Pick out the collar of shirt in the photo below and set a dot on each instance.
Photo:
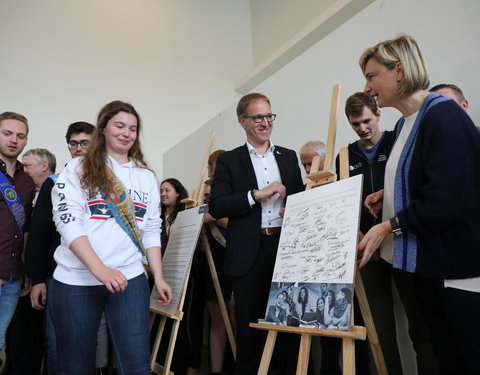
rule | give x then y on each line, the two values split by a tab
252	151
3	166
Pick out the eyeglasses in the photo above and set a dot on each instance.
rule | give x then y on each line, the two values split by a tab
74	144
258	119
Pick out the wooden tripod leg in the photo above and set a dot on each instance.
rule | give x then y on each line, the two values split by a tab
158	339
370	326
304	354
221	301
348	356
267	353
171	347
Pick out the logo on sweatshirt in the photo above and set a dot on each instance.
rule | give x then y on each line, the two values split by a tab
99	210
356	166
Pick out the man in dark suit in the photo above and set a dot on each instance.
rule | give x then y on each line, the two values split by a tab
250	185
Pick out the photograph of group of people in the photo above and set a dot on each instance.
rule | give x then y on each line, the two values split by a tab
322	305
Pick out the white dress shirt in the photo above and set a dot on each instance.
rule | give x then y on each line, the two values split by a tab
266	172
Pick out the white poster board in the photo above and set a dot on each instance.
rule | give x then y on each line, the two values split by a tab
312	281
178	257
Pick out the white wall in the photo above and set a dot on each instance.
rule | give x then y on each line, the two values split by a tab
275	21
175	61
301	91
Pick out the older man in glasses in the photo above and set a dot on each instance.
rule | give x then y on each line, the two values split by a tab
250	185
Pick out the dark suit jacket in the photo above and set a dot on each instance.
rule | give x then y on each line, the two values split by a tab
234	177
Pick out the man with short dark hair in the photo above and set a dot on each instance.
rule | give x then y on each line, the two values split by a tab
16	197
250	186
453	92
44	239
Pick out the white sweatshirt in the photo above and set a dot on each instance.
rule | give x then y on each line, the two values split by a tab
75	215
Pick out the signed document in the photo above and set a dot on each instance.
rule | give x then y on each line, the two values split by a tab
178	258
317	254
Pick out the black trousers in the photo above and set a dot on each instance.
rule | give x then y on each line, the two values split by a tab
25	339
250	293
378	278
452	316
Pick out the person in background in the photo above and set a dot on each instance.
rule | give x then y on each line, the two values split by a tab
25	337
17	191
430	200
39	163
172	193
308	151
453	92
216	233
103	241
44	240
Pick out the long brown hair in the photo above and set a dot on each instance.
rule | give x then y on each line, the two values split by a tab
95	162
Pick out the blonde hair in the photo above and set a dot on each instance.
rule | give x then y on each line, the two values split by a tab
404	50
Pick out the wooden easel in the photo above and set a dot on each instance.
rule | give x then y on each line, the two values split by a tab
195	199
318	178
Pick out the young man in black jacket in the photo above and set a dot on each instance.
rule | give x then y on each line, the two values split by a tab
368	156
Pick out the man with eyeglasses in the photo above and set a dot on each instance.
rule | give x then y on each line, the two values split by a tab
44	239
250	185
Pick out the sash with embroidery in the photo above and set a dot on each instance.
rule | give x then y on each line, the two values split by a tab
13	200
122	209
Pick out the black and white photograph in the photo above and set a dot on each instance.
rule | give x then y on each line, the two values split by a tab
320	305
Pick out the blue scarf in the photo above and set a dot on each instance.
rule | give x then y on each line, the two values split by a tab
405	245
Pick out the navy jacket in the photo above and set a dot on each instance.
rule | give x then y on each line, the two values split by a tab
373	174
444	186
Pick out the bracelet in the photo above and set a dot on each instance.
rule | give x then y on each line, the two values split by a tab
395	227
252	193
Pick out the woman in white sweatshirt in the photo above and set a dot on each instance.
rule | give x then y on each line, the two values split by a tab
106	208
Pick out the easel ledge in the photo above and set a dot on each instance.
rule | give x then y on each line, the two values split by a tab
355	332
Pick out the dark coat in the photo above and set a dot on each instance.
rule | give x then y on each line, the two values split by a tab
234	178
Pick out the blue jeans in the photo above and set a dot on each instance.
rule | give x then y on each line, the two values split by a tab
9	293
76	313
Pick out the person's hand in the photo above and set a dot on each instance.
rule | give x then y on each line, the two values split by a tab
372	240
274	188
207	218
27	286
113	279
374	203
164	292
281	213
38	296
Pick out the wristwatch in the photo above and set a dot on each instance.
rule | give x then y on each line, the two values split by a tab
252	193
396	230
